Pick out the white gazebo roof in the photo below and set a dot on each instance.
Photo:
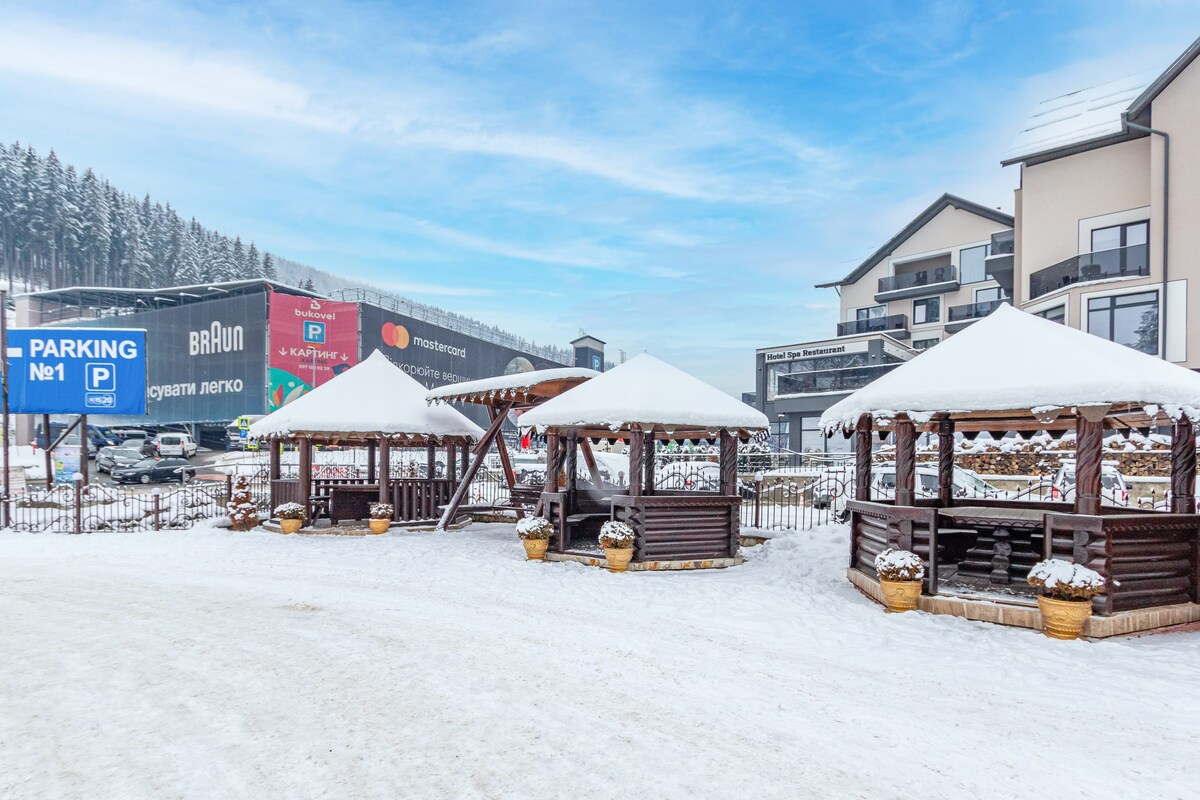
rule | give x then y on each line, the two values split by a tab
1014	361
646	392
514	385
375	398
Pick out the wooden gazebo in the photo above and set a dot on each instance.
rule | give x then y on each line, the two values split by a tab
642	402
502	395
377	406
1015	372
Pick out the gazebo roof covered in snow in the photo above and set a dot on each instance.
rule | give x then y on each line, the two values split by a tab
1012	364
370	400
520	387
650	394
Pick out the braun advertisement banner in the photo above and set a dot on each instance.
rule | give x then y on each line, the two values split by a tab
311	341
436	356
205	360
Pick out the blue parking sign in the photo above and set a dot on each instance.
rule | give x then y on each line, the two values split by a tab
77	371
314	332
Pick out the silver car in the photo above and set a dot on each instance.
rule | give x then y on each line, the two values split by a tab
110	458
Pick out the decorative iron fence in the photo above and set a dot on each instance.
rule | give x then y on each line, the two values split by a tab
86	509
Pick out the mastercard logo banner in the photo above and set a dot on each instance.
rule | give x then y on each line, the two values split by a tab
395	335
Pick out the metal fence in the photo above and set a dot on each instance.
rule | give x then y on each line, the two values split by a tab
82	508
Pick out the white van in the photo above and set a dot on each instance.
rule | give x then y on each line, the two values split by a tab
176	445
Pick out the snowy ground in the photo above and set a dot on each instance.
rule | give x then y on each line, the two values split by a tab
207	663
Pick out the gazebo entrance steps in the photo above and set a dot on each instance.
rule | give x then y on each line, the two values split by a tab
1020	613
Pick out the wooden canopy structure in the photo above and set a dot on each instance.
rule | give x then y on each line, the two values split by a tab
1014	372
501	396
374	405
641	402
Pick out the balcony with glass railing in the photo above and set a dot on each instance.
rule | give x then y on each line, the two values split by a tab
1120	262
959	317
932	280
895	325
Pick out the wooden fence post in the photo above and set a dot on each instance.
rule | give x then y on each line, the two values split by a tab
77	482
156	501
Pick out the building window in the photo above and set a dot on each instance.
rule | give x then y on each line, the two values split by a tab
1129	235
972	264
928	309
871	312
1128	319
1057	314
991	293
779	435
924	344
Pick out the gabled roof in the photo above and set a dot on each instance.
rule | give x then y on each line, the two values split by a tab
1015	361
520	386
372	398
1093	117
938	206
649	393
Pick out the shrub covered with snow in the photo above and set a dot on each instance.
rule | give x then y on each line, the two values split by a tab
616	535
290	511
899	565
534	528
243	514
1063	580
380	510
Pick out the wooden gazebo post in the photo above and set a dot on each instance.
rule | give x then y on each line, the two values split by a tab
727	468
946	462
1183	467
648	465
385	472
637	458
862	458
273	460
1089	454
906	462
305	459
371	462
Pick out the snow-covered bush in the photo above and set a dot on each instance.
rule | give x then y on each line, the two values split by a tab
534	528
380	510
290	511
243	514
1063	580
899	565
616	535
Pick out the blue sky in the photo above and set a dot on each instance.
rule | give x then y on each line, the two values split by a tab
672	177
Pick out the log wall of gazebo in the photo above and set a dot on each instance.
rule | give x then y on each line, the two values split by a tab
1148	558
669	525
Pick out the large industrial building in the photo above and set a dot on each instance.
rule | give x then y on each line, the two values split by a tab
219	351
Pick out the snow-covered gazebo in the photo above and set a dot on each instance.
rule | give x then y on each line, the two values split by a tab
375	405
1016	372
643	401
503	395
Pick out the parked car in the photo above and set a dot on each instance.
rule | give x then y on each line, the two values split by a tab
98	436
125	434
150	470
233	433
836	485
110	458
174	444
1113	489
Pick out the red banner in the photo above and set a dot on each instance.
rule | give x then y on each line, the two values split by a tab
310	342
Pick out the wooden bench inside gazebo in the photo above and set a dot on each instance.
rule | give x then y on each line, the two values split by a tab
998	376
376	406
643	402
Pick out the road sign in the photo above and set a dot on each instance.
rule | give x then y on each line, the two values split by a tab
76	371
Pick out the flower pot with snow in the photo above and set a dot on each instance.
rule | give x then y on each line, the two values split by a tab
1066	597
291	517
535	534
900	575
381	517
617	540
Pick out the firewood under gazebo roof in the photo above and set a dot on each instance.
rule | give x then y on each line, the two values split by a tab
649	394
1027	370
371	400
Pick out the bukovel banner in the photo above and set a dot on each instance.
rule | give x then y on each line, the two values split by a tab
76	371
311	340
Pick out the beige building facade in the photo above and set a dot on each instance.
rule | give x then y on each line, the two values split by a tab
1105	232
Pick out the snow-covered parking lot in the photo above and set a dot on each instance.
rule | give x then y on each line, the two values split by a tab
207	663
